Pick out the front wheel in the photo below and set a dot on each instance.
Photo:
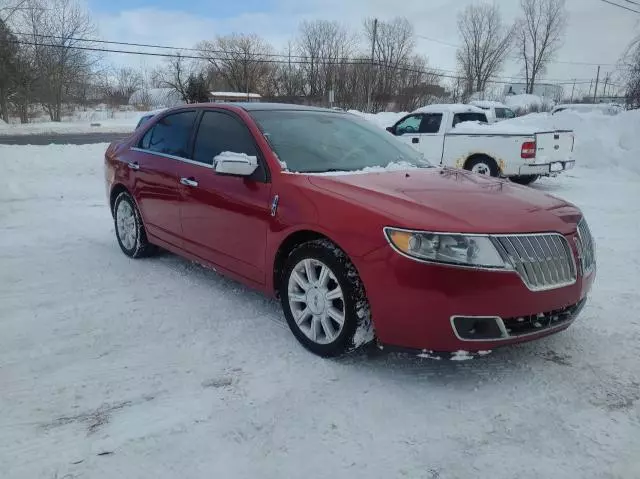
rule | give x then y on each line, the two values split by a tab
130	231
524	179
324	300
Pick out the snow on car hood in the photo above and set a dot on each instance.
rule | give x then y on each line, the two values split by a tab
450	200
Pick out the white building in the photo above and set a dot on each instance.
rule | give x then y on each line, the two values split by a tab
544	90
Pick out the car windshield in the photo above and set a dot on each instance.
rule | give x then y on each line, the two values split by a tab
318	142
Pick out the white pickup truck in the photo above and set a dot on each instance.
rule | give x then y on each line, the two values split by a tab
459	136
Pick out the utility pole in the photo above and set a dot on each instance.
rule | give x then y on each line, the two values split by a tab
290	80
595	92
371	75
573	90
246	77
606	81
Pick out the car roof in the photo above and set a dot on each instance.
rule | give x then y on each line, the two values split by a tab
453	108
488	104
258	106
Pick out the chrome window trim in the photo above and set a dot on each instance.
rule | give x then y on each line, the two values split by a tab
492	237
172	157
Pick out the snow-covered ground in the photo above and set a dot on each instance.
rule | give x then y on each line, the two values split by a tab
80	122
111	367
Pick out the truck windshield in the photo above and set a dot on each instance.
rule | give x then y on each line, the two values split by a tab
318	142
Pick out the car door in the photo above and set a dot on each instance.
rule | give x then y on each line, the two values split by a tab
156	159
225	218
422	131
408	130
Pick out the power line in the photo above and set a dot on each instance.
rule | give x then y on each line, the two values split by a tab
343	61
363	61
437	41
632	2
621	6
167	47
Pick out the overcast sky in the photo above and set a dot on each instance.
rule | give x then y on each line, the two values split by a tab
596	32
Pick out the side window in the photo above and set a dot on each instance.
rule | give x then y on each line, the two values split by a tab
220	132
431	123
509	113
410	124
170	135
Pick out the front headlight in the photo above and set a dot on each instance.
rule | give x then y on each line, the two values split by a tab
456	249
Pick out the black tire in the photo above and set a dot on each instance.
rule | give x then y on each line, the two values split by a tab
140	245
524	179
485	161
357	329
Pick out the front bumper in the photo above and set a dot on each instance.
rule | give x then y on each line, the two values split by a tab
414	305
546	169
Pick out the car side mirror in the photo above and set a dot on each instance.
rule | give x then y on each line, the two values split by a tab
391	129
236	164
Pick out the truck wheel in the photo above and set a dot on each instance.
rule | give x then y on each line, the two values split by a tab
482	165
524	179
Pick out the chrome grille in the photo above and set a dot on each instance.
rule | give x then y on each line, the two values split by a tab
543	261
586	247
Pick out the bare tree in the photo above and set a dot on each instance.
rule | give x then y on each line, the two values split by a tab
8	8
175	74
8	65
486	43
631	76
539	35
322	44
242	60
120	84
393	48
55	29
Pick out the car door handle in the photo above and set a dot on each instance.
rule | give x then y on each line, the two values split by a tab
415	140
189	182
133	165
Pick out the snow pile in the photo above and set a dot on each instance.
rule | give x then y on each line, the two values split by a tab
122	123
602	141
382	119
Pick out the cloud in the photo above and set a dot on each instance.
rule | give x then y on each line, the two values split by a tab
596	32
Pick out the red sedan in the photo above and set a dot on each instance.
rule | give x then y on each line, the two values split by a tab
356	233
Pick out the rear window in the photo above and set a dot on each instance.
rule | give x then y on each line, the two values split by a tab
462	117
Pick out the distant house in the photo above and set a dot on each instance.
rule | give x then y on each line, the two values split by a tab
232	96
155	98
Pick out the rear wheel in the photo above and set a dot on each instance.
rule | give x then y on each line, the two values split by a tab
130	232
524	179
483	165
324	301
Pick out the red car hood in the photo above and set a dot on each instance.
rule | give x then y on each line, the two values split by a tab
449	200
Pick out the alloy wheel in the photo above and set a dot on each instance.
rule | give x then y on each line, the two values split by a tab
126	225
316	301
